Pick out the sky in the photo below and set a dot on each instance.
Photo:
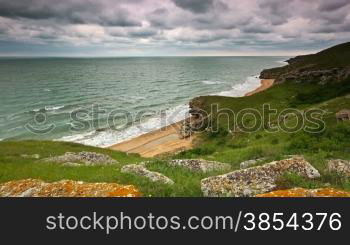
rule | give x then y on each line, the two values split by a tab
107	28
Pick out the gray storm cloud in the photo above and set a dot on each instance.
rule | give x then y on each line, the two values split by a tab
195	6
70	11
161	27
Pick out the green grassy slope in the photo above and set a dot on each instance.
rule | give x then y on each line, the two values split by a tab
14	167
231	145
334	57
337	56
332	143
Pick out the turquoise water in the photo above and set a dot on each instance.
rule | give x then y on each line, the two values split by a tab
35	88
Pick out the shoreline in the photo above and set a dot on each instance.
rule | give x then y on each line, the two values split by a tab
167	140
265	84
161	141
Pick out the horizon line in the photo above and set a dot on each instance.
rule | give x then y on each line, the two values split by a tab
140	56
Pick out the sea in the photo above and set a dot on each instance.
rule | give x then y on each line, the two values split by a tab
104	101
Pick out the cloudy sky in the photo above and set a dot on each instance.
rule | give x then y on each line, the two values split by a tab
171	27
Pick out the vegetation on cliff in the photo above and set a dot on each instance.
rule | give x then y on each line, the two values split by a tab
335	61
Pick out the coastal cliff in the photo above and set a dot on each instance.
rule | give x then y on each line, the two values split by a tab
330	65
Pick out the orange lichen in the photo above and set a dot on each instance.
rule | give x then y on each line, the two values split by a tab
66	188
300	192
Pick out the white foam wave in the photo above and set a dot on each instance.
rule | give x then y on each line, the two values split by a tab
209	82
132	99
282	62
239	90
53	108
110	137
48	108
15	128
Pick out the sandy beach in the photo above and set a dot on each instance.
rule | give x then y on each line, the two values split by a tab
265	84
166	140
158	142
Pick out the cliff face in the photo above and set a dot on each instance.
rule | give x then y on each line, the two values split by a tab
330	65
313	75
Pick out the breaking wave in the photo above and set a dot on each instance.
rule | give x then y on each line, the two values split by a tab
110	137
209	82
239	90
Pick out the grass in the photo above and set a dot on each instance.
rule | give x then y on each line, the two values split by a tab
14	167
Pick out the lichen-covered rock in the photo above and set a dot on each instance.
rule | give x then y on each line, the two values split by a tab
300	192
343	115
199	165
250	163
339	166
87	158
141	170
65	188
256	180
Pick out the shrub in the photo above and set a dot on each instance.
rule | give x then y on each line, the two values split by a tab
221	132
321	93
200	151
290	180
274	141
300	142
255	152
258	136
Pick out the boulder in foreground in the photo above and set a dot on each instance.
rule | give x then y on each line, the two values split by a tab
300	192
141	170
256	180
86	158
65	188
339	166
250	163
199	165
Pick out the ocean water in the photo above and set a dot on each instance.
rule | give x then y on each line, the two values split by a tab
103	101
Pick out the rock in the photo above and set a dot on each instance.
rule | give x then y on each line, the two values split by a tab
249	163
343	115
35	156
185	130
300	192
72	164
195	122
199	165
28	193
256	180
141	170
65	188
87	158
247	192
339	166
